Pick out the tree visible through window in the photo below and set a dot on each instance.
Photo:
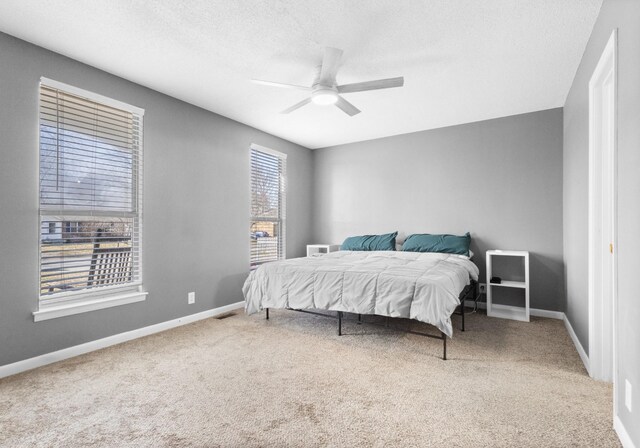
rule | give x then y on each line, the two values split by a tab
268	197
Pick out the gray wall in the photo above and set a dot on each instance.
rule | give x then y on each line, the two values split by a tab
499	179
624	15
196	233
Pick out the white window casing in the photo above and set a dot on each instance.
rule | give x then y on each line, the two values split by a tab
90	171
268	205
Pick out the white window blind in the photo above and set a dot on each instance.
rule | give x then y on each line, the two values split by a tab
90	192
268	205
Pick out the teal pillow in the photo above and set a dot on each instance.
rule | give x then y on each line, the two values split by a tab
446	244
371	242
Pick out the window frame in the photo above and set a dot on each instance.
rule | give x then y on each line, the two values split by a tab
66	303
282	216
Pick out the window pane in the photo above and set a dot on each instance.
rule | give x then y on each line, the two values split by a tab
90	173
79	171
267	207
86	253
265	236
265	181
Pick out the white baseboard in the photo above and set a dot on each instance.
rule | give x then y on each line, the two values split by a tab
576	342
547	313
532	311
48	358
623	435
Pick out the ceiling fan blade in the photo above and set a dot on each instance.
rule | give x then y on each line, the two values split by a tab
371	85
330	65
297	106
279	84
347	107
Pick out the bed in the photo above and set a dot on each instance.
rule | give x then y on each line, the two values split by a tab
427	287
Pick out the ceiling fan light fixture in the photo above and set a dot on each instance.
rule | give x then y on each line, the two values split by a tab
324	90
324	97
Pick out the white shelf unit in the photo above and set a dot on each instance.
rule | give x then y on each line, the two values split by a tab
316	250
507	311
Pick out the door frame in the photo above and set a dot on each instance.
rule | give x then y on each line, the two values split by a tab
602	329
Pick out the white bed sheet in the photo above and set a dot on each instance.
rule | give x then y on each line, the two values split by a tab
420	286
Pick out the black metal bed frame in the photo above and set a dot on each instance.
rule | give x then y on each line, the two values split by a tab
470	289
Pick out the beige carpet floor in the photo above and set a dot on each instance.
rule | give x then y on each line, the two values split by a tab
291	381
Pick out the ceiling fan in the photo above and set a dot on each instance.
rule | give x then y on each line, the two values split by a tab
324	90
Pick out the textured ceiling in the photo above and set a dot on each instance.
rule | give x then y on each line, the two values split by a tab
463	60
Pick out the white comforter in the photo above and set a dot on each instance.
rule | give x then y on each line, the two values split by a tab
421	286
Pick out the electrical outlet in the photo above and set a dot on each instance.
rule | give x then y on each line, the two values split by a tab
483	288
191	298
627	394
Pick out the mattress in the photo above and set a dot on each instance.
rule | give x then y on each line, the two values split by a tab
420	286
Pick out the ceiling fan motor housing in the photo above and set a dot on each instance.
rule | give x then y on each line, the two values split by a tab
324	95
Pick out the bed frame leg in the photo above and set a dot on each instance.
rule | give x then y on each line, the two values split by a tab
359	319
267	310
339	323
444	346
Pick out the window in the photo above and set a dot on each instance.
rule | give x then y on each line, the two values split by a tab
268	200
71	227
90	195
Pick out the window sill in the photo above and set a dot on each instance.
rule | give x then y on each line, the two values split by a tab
54	311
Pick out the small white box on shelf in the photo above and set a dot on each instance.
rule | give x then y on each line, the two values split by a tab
316	250
507	311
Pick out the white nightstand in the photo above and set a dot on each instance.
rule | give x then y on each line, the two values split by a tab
506	311
315	250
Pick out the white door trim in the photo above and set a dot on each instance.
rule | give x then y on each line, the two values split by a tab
602	203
